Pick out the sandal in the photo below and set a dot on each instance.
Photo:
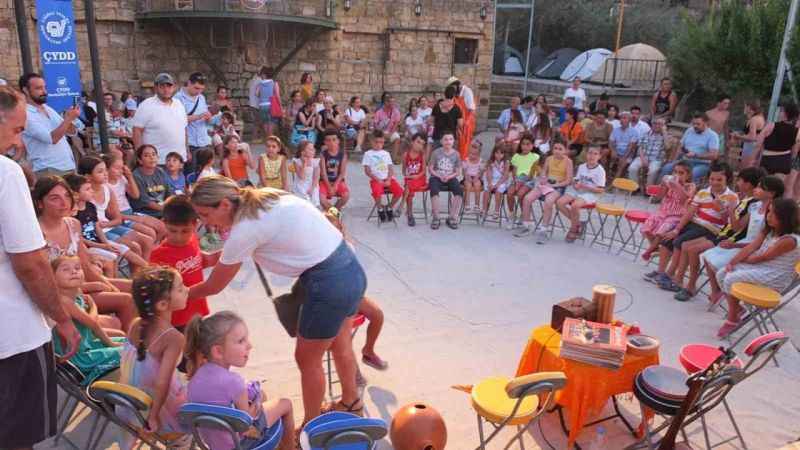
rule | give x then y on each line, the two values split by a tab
375	362
727	328
669	285
684	295
343	407
572	234
452	223
436	223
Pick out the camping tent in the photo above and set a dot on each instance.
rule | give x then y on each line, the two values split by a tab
554	64
508	60
585	64
637	65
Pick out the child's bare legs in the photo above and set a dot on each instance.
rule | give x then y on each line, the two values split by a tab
408	199
716	291
150	222
547	209
109	322
511	195
734	309
485	202
281	409
455	206
664	257
119	303
141	242
467	189
695	249
136	261
563	205
653	241
527	204
434	207
498	198
374	315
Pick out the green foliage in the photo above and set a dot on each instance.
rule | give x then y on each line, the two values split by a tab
734	49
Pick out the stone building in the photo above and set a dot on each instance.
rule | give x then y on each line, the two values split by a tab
351	47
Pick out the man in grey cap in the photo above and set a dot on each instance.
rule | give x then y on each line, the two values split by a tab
161	121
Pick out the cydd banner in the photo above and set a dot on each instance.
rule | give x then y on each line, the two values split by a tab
58	51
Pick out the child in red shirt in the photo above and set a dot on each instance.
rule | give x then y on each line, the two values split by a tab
181	250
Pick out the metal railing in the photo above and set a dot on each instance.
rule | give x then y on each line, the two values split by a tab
319	8
633	73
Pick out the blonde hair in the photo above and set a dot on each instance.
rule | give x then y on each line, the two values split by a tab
247	201
202	334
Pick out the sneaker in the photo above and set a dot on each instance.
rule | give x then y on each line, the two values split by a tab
411	221
381	214
389	214
524	231
652	276
541	236
683	295
668	285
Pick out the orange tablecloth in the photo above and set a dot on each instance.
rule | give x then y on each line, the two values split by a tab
588	387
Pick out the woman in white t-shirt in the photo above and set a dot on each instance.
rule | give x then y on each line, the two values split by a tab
288	236
355	122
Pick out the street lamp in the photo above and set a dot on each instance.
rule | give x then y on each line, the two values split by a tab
418	8
483	11
348	4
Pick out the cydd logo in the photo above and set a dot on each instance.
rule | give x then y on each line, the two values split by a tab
61	81
56	27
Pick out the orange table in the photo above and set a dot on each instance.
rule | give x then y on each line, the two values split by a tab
588	387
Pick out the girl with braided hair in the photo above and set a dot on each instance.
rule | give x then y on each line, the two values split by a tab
154	347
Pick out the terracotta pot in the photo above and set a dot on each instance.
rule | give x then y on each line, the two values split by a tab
418	426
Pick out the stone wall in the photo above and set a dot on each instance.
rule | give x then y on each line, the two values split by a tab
379	46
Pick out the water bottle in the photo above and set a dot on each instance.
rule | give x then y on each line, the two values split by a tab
600	441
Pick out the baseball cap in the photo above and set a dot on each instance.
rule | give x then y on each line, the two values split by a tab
164	78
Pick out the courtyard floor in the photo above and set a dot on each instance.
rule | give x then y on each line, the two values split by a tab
459	307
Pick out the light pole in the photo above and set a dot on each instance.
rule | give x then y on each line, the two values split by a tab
783	62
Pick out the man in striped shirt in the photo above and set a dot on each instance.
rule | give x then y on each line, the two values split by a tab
651	154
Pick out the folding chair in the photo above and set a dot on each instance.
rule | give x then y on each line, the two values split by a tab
517	402
71	380
697	357
358	320
127	406
198	416
611	209
761	304
503	213
668	399
387	199
342	431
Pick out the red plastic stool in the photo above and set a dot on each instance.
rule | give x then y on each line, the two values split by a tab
696	357
634	218
358	320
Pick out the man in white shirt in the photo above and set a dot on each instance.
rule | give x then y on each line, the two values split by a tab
197	115
505	117
45	131
27	370
161	121
639	125
576	92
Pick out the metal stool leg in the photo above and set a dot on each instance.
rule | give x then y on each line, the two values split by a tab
733	422
482	445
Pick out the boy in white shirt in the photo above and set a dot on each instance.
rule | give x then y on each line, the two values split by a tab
377	164
590	180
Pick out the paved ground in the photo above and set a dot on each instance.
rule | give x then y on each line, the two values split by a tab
459	307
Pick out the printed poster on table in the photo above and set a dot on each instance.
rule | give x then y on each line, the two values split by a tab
58	52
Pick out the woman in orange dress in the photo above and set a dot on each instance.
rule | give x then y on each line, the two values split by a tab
465	100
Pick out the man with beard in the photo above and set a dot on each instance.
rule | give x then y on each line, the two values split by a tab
44	136
161	121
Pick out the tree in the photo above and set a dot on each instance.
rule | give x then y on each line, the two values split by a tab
734	49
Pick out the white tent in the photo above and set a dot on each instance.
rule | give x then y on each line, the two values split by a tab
636	65
586	64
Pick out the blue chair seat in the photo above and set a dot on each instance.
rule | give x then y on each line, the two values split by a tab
199	415
342	431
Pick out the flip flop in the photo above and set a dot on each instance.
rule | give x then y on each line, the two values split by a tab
374	362
343	407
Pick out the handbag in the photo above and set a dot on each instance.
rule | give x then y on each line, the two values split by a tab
275	109
288	307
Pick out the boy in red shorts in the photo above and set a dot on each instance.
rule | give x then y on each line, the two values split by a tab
181	250
414	171
377	164
332	182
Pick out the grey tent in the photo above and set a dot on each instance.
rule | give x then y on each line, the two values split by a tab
555	63
507	58
538	55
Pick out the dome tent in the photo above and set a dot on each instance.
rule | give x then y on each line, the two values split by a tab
586	64
637	65
555	62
